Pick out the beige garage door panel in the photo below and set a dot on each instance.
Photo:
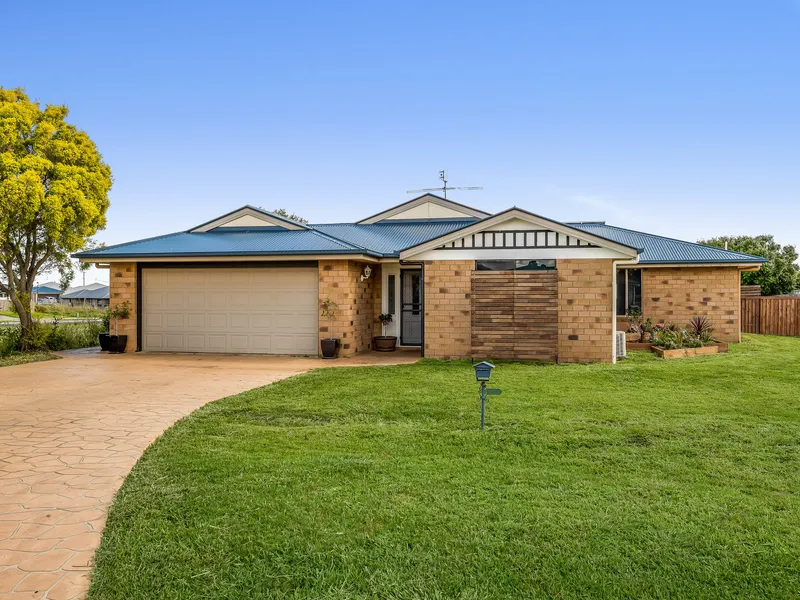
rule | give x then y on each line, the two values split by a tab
258	310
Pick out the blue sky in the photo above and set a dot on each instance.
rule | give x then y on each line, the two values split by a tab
678	118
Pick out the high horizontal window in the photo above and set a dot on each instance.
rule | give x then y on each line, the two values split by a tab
515	265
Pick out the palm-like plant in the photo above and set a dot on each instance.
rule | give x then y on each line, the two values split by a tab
702	327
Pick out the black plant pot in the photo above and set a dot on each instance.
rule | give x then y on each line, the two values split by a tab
118	343
384	343
330	346
105	341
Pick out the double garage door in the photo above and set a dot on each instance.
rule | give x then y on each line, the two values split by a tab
259	310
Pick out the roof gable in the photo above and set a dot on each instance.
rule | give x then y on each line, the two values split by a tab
249	217
514	229
427	206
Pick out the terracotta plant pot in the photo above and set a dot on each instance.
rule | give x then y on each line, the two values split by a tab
384	343
330	347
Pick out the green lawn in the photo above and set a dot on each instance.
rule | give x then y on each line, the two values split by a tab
20	358
648	479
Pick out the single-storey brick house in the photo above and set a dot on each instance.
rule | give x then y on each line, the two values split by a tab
460	282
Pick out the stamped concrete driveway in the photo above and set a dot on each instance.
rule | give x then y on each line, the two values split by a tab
71	429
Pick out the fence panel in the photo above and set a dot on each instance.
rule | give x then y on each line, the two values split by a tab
773	316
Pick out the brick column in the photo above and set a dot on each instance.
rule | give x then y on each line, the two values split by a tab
448	326
354	325
122	284
586	321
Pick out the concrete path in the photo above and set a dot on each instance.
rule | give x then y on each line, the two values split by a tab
71	429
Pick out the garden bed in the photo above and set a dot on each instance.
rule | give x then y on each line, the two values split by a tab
638	345
715	348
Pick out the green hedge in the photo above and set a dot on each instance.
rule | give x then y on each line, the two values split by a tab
57	336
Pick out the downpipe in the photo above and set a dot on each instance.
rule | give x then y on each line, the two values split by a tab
614	265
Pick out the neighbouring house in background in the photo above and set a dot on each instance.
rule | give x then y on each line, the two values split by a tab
94	294
461	283
47	293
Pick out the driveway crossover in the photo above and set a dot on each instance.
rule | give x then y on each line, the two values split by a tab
71	429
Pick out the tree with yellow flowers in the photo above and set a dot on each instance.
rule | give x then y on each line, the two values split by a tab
53	197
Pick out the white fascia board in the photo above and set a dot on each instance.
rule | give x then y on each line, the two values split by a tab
535	221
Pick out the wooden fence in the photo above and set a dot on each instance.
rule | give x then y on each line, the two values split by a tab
771	315
751	290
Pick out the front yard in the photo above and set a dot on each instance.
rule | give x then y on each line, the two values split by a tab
648	479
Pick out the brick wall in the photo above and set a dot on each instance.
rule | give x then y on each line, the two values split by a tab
448	308
354	324
586	320
122	278
676	295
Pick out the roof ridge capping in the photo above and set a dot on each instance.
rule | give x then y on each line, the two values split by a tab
341	242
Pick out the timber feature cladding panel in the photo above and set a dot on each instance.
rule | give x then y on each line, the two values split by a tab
515	315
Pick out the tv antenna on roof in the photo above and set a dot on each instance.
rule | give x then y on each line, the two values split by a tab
444	188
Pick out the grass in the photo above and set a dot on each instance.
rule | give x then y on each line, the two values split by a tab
53	311
20	358
648	479
12	314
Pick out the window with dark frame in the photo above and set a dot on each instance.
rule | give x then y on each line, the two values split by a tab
515	265
391	293
629	290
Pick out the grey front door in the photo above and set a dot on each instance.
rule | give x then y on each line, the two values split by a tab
410	308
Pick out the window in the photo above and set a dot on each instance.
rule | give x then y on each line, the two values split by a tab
392	306
629	290
515	265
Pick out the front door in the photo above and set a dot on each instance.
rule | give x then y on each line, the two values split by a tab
410	308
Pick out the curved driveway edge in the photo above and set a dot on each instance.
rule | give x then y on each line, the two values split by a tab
72	429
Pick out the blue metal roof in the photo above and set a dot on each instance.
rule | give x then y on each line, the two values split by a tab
219	242
657	249
389	237
43	289
87	293
383	239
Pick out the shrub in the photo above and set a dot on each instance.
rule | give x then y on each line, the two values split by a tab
10	340
638	324
701	327
670	337
57	336
63	310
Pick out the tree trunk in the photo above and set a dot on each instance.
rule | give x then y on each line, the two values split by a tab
22	304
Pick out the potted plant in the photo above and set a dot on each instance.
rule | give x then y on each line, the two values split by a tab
330	345
384	343
105	336
119	342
